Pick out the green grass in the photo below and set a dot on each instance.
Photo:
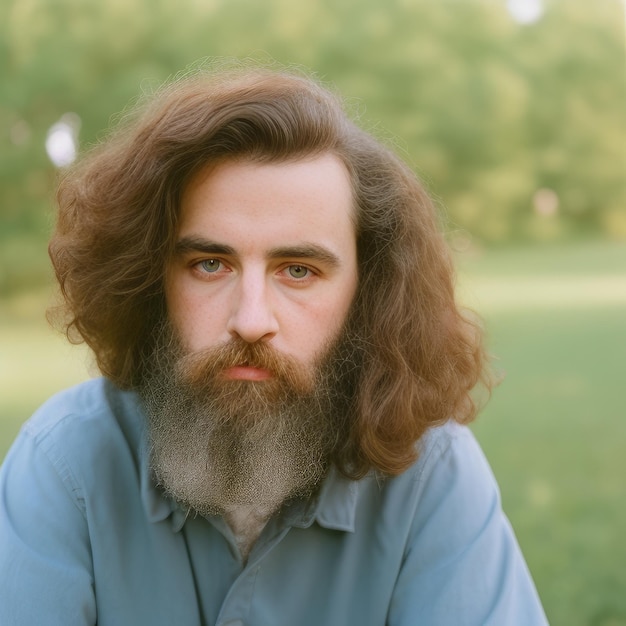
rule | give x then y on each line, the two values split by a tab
554	430
35	362
555	433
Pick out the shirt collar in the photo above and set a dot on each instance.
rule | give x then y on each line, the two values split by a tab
336	506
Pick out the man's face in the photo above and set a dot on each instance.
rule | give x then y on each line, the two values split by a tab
247	376
265	253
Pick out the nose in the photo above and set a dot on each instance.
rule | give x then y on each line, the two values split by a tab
252	316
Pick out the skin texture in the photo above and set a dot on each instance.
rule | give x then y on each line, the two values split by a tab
265	252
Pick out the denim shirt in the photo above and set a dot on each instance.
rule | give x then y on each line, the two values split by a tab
86	538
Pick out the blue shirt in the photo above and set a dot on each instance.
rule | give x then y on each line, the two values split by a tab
86	538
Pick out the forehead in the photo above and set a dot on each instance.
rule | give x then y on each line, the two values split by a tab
293	199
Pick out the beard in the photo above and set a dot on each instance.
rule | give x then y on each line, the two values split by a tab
218	445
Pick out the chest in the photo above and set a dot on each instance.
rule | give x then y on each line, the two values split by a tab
305	576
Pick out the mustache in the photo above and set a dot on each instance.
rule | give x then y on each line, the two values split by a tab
205	367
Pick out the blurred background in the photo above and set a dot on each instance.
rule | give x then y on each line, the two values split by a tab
512	113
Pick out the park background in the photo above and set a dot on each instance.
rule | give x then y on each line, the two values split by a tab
512	113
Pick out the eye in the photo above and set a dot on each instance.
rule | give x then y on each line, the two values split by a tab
210	265
298	271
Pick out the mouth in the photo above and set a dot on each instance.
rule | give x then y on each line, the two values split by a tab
247	372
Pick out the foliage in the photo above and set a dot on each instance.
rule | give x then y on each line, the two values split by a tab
487	110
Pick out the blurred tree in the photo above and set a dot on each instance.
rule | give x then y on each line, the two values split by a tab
487	110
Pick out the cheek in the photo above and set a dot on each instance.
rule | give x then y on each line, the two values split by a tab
329	320
193	318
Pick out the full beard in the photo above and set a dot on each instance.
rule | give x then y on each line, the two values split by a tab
217	445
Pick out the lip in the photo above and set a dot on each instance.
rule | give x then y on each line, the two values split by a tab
247	372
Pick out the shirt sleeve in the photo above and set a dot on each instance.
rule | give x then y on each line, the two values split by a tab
462	564
45	562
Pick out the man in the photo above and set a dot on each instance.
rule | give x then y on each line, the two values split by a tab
278	434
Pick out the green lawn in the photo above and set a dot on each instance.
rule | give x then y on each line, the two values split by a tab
554	431
555	434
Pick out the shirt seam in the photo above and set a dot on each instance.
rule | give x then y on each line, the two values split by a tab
43	442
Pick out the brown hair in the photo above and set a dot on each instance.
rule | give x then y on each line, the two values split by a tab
118	214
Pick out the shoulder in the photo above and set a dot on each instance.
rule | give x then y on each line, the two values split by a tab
84	414
459	548
84	440
84	433
450	438
448	454
450	480
71	472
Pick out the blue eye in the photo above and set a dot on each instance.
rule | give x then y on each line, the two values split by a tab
210	265
298	271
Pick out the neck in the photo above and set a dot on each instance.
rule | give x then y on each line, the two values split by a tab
247	523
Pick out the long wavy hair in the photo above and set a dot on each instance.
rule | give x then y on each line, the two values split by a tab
420	354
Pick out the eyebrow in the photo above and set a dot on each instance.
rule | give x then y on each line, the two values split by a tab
199	244
306	251
311	251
